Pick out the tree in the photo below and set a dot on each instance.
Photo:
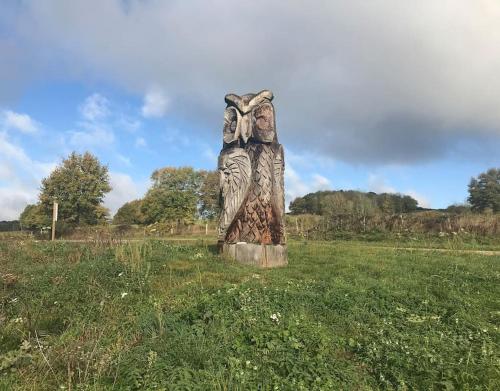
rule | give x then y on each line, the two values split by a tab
385	203
33	218
409	204
162	205
336	204
209	197
79	185
177	179
364	206
173	195
129	213
6	226
458	208
484	191
310	203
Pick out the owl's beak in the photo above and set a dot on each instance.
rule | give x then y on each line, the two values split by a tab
245	127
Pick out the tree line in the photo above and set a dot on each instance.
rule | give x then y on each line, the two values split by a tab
182	195
177	195
80	183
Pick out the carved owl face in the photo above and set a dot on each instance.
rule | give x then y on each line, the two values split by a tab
249	116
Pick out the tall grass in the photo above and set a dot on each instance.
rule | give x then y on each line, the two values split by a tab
416	223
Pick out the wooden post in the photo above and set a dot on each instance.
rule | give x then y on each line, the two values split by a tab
54	219
206	228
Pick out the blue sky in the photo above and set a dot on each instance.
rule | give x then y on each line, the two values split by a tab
376	97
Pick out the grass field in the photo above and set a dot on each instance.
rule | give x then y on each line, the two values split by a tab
152	315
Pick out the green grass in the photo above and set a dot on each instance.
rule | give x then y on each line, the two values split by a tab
154	315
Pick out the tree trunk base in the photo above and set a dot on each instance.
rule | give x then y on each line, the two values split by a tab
260	255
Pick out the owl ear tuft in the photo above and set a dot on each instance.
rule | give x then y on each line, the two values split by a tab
245	104
260	98
232	99
267	94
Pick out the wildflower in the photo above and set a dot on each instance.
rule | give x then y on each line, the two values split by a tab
14	300
152	356
120	274
276	317
25	345
124	294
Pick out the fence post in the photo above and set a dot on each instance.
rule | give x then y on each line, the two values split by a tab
54	219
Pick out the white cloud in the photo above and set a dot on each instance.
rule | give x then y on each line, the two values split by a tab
22	176
422	200
140	142
297	186
131	125
210	155
124	159
294	185
321	183
13	200
95	107
124	190
381	91
377	184
155	103
6	171
95	129
21	122
174	137
11	153
91	135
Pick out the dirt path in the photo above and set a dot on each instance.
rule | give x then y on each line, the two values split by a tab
441	250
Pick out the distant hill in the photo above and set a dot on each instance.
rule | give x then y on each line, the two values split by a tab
352	201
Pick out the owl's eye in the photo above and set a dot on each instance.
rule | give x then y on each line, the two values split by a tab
231	125
263	117
262	123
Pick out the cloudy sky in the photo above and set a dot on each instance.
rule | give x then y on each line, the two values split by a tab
380	95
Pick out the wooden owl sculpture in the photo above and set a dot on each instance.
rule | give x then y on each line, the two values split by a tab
251	166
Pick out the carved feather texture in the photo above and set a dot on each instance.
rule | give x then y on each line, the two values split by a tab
279	185
235	171
258	221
